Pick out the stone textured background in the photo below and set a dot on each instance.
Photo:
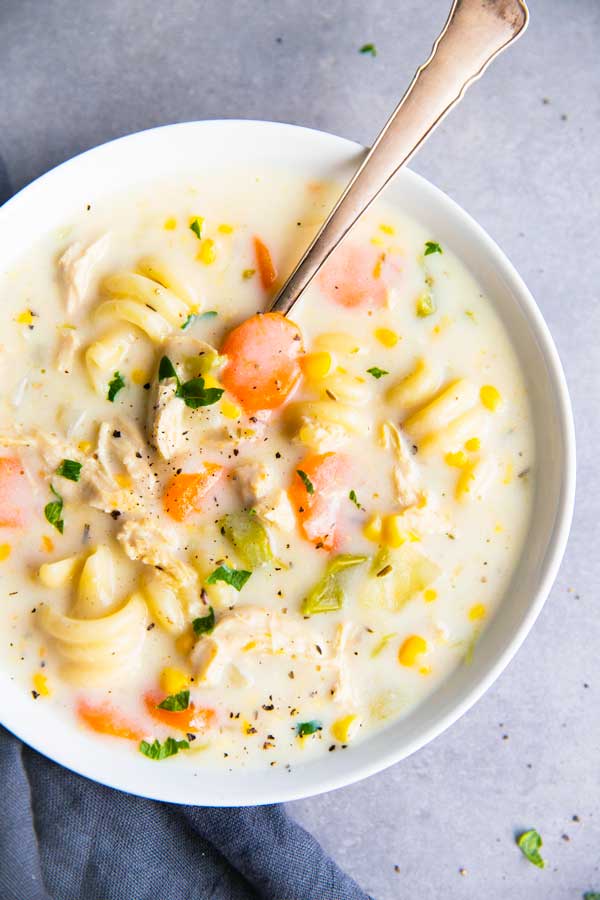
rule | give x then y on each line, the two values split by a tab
521	155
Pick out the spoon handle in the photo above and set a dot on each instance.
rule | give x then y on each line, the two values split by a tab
476	31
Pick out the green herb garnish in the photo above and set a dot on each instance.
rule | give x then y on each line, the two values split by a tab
529	843
70	469
196	226
193	392
176	702
209	314
352	496
369	48
166	369
425	306
310	488
204	624
156	750
305	728
377	373
237	578
591	895
432	247
53	511
191	318
116	384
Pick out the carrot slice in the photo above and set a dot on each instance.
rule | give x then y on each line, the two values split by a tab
263	366
185	492
188	720
107	720
352	277
15	493
317	512
264	261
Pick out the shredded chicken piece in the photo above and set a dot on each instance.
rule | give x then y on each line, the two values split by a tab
254	480
406	471
77	265
68	345
152	543
166	425
119	476
276	509
342	690
256	628
424	518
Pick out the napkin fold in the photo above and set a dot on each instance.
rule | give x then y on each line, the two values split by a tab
63	837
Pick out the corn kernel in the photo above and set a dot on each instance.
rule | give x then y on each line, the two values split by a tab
211	382
413	646
84	446
387	337
172	680
170	224
138	376
387	229
4	552
393	534
490	397
25	318
230	410
207	253
345	728
123	480
377	241
185	642
509	473
499	528
458	460
473	445
248	273
429	595
40	684
317	365
225	229
477	612
373	528
463	485
249	646
47	544
425	670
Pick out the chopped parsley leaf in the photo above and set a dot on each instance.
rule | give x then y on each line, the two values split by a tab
432	247
70	469
376	372
352	496
196	226
204	624
166	369
209	314
310	488
529	843
53	512
237	578
591	895
116	384
194	394
305	728
368	48
176	702
191	318
156	750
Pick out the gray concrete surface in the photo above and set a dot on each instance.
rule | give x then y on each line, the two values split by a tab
522	155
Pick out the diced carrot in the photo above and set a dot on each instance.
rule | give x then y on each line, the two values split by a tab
107	720
352	277
15	493
190	719
185	492
263	365
317	512
265	265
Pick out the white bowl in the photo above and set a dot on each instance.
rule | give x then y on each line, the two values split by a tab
117	166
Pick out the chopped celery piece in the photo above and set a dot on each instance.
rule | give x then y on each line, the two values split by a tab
395	576
249	537
328	594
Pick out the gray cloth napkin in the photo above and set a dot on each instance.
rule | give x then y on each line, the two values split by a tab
63	837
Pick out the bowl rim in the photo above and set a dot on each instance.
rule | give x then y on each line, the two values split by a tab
304	787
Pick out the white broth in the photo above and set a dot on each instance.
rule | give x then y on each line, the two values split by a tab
233	538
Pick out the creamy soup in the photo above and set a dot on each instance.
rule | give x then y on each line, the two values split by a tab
236	538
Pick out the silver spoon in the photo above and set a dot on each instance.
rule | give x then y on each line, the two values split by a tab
475	33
